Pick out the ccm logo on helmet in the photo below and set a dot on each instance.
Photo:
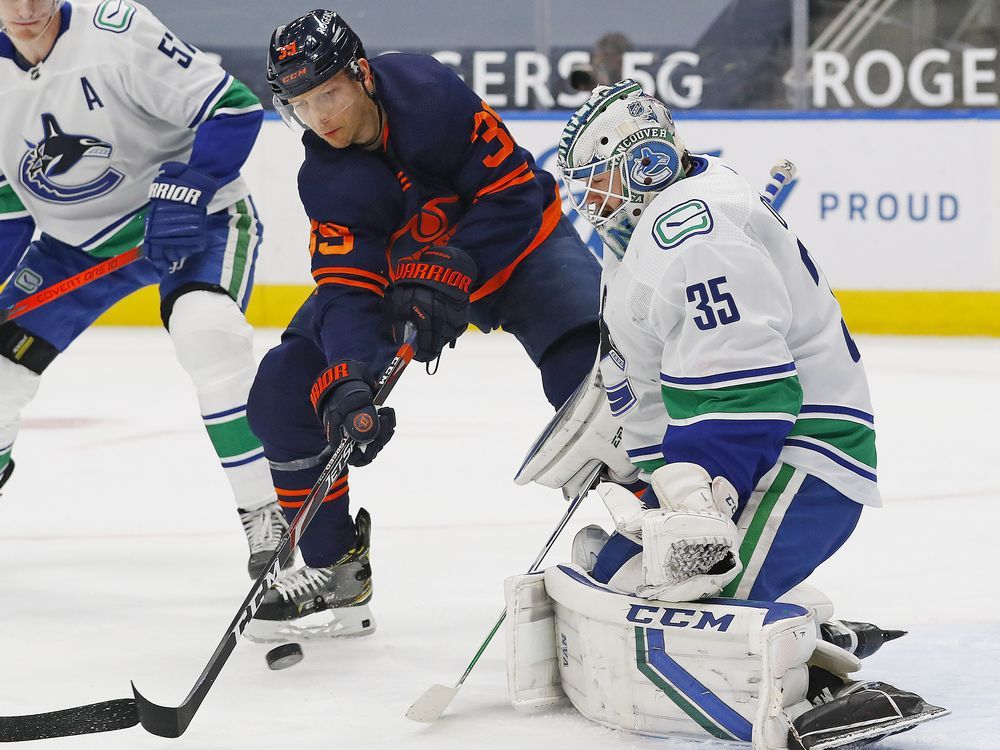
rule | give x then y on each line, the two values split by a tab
678	618
292	76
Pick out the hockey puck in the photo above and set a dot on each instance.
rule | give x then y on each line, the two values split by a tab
284	656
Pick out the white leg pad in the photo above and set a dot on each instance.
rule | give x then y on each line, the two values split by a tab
725	668
18	386
532	656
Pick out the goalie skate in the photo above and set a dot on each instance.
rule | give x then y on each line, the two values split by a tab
320	602
862	713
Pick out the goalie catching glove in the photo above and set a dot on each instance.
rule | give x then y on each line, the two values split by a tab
689	543
343	399
431	291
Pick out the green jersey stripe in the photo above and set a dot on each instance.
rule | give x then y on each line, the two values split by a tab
233	438
850	438
758	524
242	244
237	96
778	396
124	239
651	465
9	202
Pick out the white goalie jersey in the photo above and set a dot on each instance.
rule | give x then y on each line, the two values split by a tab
719	325
86	130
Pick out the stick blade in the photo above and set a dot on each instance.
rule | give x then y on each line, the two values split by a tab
107	716
163	721
429	706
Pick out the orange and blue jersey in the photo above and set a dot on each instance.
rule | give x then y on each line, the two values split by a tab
447	172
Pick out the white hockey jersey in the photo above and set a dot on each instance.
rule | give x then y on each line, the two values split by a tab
86	130
724	345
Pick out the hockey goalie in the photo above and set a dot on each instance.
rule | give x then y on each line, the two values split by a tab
731	413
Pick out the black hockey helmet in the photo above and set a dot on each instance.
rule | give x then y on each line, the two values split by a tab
310	50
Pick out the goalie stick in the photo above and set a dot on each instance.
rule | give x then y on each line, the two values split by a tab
429	706
44	296
167	721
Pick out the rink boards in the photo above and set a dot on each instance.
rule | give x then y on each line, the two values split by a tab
899	208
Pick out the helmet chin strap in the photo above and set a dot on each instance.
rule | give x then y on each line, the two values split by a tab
56	4
381	115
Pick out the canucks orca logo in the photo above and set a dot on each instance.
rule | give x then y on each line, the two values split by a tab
652	165
58	154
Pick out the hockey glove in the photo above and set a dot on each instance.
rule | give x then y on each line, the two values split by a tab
178	213
689	543
343	399
432	292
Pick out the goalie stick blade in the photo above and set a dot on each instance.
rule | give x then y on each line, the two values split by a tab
429	706
106	716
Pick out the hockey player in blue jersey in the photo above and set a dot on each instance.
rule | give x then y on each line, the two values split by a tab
423	208
118	134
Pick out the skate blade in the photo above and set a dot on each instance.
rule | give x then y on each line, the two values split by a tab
343	622
873	733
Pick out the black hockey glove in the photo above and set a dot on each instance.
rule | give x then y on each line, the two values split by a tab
432	292
343	399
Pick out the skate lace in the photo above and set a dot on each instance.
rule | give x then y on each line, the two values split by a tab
263	527
303	581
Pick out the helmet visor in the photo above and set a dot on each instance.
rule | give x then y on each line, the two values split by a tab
322	103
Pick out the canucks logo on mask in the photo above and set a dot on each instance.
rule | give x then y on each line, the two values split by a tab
59	154
652	165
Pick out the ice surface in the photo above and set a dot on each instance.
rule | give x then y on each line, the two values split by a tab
121	556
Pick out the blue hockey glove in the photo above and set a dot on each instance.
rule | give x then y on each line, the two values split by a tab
343	399
432	292
178	213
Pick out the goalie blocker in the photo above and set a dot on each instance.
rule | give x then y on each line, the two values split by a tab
726	668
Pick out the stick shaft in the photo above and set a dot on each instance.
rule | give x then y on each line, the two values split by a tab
60	288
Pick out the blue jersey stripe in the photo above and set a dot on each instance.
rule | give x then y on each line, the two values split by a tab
832	409
226	413
734	375
833	457
251	459
211	97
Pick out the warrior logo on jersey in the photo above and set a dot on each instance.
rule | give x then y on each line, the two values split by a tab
79	157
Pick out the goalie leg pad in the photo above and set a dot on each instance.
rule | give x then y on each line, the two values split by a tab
725	668
532	658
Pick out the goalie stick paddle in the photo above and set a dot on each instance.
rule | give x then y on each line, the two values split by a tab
429	706
172	721
57	290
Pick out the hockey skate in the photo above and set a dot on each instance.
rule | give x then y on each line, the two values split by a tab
859	638
320	602
859	714
264	528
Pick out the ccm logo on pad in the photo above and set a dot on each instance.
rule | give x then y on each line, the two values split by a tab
671	617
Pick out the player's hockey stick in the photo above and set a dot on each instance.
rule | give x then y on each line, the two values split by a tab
46	295
429	706
167	721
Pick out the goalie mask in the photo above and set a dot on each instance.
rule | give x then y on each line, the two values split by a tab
617	153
